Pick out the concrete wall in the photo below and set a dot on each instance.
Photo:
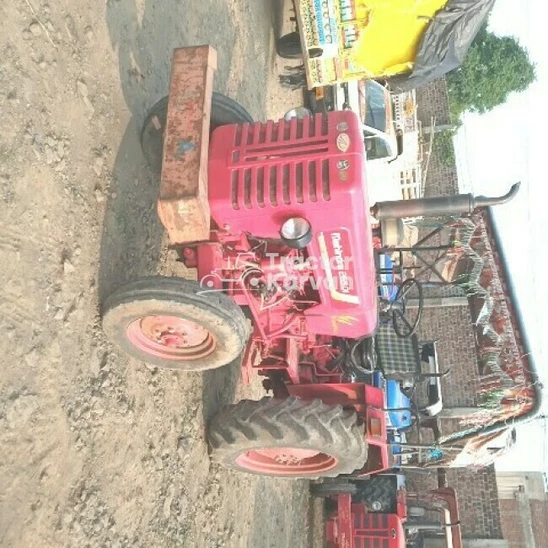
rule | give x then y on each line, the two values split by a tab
524	509
539	516
531	482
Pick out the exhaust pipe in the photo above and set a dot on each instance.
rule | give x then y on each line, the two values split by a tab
482	201
460	204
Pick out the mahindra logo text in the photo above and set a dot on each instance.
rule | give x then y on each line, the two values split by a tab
341	263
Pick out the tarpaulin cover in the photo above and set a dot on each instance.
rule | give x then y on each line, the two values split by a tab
445	43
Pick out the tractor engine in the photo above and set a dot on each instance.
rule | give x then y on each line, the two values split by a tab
291	238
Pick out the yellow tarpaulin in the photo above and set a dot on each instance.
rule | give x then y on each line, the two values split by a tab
388	42
354	39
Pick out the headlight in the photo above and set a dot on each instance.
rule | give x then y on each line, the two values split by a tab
296	232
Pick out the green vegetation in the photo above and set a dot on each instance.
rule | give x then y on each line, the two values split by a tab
493	68
491	400
443	146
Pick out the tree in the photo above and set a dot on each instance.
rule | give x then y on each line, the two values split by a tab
494	67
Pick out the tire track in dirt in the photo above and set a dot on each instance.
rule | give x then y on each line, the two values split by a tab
13	238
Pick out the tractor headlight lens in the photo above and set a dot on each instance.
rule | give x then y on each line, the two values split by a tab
296	232
295	228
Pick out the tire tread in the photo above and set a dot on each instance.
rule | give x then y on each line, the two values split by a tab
292	422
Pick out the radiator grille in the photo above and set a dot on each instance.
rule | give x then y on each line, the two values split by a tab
371	531
280	164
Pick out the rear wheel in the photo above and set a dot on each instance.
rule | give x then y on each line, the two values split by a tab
170	323
289	46
288	438
224	111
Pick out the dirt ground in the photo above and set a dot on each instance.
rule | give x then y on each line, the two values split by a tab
96	449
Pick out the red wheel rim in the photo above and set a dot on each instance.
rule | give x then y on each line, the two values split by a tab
286	461
170	338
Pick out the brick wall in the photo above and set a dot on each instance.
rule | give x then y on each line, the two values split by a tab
511	523
433	101
441	180
512	526
452	327
539	513
478	500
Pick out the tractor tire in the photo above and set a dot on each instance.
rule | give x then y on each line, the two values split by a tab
289	46
224	111
332	489
171	323
288	438
378	494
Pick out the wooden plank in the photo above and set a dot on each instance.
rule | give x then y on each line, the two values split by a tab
183	204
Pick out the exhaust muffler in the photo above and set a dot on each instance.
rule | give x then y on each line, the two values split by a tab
439	206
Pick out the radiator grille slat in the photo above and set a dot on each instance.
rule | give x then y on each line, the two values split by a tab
272	186
299	183
234	190
247	188
238	136
312	181
245	133
286	190
326	190
260	187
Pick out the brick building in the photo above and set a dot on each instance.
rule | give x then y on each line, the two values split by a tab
433	112
451	325
523	508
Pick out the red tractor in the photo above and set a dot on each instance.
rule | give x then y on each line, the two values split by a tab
383	512
275	219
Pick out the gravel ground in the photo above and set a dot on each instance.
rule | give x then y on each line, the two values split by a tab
96	449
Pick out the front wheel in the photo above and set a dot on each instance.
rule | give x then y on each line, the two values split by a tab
288	438
172	323
224	111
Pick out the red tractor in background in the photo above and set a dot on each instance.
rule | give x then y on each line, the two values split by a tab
275	219
383	512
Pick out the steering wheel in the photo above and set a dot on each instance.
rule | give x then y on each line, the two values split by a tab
404	324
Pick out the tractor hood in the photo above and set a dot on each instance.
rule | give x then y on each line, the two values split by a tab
262	175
